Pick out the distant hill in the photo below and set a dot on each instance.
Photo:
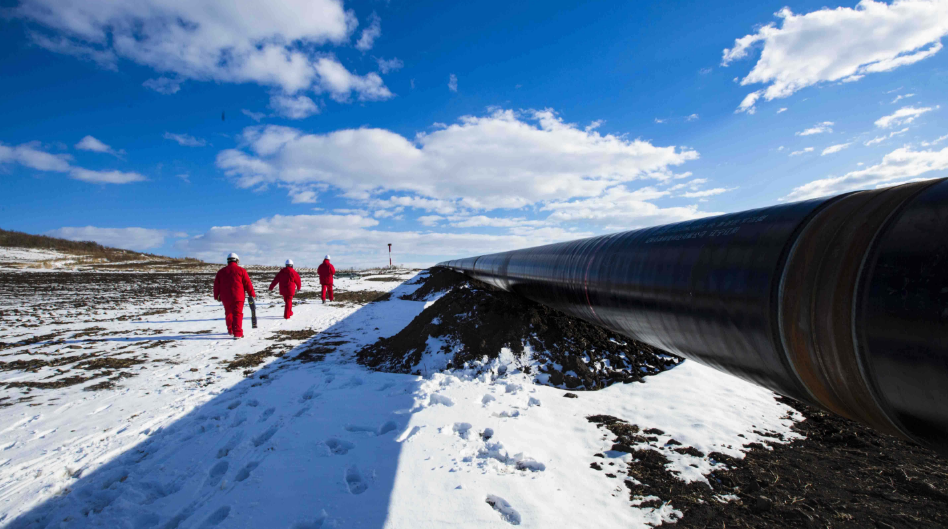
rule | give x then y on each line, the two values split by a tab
93	252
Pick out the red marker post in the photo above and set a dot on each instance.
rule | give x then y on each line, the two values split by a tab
389	255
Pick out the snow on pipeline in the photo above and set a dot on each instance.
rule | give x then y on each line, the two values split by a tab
136	410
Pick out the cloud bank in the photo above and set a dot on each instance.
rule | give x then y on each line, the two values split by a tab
842	44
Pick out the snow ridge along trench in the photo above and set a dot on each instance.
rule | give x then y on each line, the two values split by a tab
184	442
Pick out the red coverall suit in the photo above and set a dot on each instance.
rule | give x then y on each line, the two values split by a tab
289	282
326	271
229	287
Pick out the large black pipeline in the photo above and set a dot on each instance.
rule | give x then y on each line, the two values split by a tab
841	302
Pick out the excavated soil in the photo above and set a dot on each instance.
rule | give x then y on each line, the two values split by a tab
437	281
563	351
840	475
359	297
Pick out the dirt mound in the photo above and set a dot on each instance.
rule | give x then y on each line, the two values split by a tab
359	297
470	323
840	475
437	281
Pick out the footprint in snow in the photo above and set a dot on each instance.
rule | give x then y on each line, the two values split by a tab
355	481
253	403
338	446
230	445
311	524
217	472
508	513
533	401
309	395
244	473
302	411
380	430
239	418
216	517
266	414
233	405
266	435
488	399
387	385
353	382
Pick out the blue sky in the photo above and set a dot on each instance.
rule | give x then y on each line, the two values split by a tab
449	130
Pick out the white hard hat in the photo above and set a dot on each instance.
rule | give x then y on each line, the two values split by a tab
289	262
233	257
327	257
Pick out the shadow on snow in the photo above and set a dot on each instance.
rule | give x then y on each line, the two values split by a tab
295	445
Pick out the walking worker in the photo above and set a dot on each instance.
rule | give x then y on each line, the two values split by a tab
289	282
230	285
326	271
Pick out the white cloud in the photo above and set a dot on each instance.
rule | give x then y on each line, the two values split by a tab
90	143
592	126
344	211
935	141
389	65
138	239
340	83
430	220
901	97
256	116
502	160
832	149
747	104
882	138
163	85
483	221
29	155
705	193
902	116
105	58
619	208
819	128
293	107
782	110
352	240
802	151
105	177
706	71
369	34
839	44
185	140
659	120
897	166
443	207
274	43
453	83
692	117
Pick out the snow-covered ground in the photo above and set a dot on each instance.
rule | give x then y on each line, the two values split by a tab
32	257
179	441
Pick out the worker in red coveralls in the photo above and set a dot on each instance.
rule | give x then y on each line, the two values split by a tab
326	271
230	285
289	282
